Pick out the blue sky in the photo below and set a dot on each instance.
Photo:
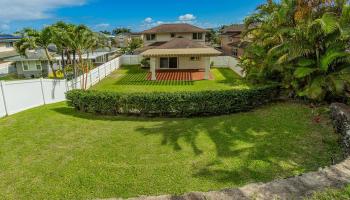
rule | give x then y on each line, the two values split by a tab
108	14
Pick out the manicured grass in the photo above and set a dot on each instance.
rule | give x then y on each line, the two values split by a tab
10	77
133	79
332	194
54	152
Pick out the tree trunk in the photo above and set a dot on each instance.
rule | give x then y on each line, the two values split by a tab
74	65
50	62
63	63
81	63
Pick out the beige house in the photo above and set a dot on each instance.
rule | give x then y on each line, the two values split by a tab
177	47
231	40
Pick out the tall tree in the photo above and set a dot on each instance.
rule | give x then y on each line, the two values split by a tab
33	39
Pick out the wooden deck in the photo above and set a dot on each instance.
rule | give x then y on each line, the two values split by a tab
179	75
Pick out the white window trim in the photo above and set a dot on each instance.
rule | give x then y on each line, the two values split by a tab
28	64
197	34
155	37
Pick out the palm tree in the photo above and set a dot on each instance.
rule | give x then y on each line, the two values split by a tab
302	44
33	39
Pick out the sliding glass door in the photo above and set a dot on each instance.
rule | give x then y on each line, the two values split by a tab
168	63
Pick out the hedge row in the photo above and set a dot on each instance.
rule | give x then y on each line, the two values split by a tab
179	104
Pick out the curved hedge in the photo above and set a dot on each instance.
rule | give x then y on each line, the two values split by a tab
178	104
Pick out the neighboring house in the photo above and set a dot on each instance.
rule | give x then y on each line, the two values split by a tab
231	40
7	50
123	39
35	63
177	47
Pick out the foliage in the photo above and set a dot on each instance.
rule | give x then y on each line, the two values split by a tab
179	104
117	31
301	44
85	156
145	62
213	36
33	39
106	32
69	39
132	45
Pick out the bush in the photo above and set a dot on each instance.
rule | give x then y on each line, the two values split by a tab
179	104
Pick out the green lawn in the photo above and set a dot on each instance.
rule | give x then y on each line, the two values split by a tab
133	79
332	194
10	77
54	152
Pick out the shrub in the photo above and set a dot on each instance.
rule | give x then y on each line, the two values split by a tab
179	104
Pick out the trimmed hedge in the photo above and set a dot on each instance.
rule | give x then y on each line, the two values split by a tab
178	104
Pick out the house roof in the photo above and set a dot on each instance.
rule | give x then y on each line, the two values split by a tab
234	28
8	54
7	36
175	28
181	43
181	46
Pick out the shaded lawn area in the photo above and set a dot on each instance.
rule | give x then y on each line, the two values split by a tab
10	77
54	152
133	79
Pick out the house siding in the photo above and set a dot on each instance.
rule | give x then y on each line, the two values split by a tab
185	62
165	37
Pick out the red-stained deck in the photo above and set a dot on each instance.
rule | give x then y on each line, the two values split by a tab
179	75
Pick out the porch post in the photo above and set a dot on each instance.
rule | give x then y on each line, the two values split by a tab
153	68
207	68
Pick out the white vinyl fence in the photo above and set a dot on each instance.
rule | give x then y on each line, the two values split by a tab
131	59
16	96
227	61
6	68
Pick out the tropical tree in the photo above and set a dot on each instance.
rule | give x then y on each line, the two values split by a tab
302	44
134	44
117	31
33	39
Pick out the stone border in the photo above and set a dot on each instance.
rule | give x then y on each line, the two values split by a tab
297	187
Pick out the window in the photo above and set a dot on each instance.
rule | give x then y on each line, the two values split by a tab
195	58
235	52
197	36
172	35
9	45
38	65
150	37
25	66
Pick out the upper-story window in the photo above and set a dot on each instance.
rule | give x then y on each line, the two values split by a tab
150	37
172	35
197	36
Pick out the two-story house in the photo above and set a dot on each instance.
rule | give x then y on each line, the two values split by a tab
177	47
231	40
7	50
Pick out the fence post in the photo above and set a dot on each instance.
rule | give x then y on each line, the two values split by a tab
90	79
42	90
2	84
98	70
66	83
105	69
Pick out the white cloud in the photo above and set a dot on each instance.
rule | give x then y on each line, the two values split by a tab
102	26
148	20
187	17
32	9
